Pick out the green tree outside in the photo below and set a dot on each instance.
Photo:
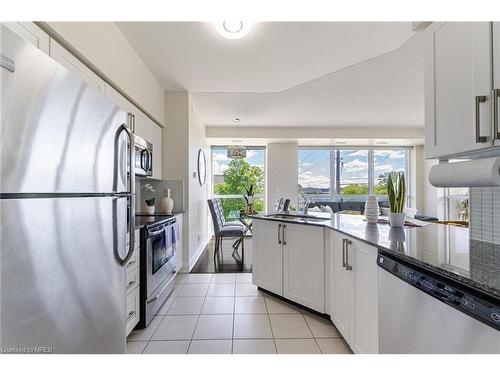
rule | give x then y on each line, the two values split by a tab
237	177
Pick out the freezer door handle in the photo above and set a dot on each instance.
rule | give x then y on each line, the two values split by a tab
131	185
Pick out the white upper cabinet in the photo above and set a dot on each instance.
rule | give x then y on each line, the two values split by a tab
70	62
31	33
304	265
141	126
458	88
151	132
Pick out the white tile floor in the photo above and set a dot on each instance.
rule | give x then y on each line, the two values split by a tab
224	314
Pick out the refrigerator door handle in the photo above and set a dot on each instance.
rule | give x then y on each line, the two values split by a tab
131	186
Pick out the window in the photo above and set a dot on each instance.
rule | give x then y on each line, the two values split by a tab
353	172
314	173
334	174
230	177
385	162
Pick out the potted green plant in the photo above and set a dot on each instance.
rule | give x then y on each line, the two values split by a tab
249	198
149	203
396	194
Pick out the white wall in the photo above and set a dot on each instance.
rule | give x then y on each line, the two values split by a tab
198	195
281	172
105	47
183	137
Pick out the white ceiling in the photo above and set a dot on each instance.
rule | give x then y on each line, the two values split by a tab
273	57
385	91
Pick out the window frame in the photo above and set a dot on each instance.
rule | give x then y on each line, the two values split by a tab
334	192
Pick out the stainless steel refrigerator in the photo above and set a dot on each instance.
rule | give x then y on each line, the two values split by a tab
66	208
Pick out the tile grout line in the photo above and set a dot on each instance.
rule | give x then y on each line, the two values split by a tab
234	313
312	333
197	320
149	340
270	325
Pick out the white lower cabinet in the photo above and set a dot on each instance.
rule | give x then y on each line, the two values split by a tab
289	261
303	265
354	293
267	268
132	271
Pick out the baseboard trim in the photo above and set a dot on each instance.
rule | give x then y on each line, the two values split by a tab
196	256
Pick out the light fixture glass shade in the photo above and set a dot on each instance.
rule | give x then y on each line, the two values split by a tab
233	29
236	152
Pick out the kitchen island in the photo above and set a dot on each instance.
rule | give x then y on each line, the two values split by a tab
328	263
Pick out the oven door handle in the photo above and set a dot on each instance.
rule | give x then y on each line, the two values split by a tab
155	233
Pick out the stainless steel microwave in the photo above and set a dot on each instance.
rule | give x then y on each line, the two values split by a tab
143	157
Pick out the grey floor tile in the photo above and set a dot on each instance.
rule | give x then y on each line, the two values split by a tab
297	346
210	347
252	326
321	327
146	333
218	305
186	305
167	347
277	306
247	289
136	347
243	278
333	346
214	327
223	278
193	290
254	346
292	326
250	305
199	278
221	290
176	327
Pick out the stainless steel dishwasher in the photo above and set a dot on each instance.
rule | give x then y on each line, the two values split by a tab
420	313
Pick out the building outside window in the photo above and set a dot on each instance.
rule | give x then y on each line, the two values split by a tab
335	174
230	177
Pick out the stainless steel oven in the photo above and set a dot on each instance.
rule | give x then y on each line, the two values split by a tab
158	261
143	157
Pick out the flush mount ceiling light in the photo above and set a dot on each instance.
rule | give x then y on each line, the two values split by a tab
233	29
236	120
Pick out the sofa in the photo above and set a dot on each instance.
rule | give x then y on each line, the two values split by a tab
360	206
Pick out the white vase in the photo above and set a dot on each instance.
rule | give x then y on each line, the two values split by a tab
397	220
167	203
150	210
371	209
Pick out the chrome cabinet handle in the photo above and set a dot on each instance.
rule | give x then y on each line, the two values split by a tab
130	315
479	138
343	252
347	266
130	284
495	97
284	234
279	234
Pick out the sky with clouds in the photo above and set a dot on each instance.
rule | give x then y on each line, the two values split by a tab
314	165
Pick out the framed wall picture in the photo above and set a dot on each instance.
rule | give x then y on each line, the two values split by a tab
202	167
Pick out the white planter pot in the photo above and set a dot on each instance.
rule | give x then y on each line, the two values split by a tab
150	210
397	220
371	209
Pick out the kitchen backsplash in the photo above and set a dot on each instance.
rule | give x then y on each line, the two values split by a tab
484	218
160	187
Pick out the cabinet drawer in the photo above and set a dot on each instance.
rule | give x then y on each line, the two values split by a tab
133	262
132	312
132	279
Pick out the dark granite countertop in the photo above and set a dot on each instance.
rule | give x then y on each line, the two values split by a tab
441	249
141	220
